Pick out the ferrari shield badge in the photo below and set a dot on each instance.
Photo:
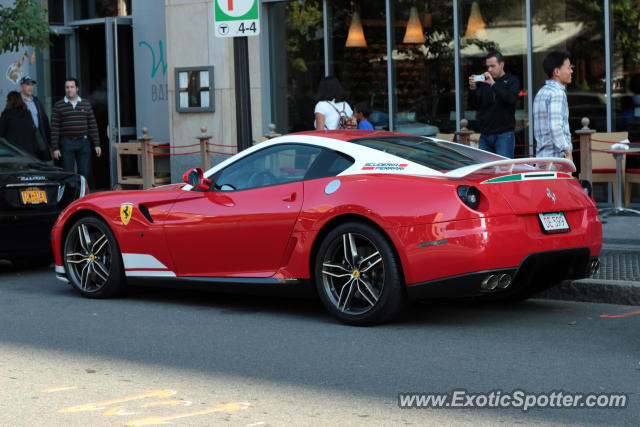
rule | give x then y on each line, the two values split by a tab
126	210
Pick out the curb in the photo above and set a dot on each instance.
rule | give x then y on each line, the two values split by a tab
593	290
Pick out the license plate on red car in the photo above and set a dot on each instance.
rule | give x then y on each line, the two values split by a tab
554	222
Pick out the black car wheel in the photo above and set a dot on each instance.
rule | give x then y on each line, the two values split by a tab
92	259
358	275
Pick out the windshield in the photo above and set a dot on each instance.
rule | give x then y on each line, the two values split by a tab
438	155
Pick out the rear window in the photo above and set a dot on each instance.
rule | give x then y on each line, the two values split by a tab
436	155
9	151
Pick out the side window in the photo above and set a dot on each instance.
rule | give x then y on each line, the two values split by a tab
329	163
275	165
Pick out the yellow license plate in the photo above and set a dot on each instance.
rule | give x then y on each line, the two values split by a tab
33	196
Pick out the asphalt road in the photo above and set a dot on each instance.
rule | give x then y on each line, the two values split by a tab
202	358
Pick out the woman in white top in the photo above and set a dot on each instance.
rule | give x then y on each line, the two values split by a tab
330	104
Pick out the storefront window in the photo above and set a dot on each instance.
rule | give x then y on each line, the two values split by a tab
90	9
578	27
58	66
625	78
423	58
55	10
296	52
358	57
501	26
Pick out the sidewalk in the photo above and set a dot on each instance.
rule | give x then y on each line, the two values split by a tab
618	281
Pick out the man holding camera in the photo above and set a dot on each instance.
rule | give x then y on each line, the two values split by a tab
494	95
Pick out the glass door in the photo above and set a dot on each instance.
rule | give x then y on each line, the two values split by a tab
105	70
120	84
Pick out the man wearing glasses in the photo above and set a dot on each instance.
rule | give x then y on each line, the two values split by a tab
551	110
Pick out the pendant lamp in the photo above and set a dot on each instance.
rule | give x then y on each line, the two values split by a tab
475	25
414	33
356	34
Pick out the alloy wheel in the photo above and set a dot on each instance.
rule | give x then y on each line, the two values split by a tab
88	257
353	274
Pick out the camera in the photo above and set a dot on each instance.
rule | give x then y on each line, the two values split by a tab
479	78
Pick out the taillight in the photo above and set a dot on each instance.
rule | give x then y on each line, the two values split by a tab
587	187
470	196
84	187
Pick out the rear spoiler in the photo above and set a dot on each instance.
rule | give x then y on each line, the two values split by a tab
506	166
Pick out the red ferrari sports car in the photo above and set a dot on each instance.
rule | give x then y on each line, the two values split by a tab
368	219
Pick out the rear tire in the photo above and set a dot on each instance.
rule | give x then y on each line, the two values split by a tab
358	275
92	259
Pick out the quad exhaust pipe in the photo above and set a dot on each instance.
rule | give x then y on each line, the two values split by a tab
496	281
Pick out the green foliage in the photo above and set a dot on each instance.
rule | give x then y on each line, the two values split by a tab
626	15
305	18
23	25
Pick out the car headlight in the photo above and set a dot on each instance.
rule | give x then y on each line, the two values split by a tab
469	195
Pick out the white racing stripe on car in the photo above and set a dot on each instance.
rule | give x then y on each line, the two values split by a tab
134	261
147	273
145	265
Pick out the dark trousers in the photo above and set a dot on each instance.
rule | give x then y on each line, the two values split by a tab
76	151
502	143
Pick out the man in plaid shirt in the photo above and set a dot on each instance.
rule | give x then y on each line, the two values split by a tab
550	108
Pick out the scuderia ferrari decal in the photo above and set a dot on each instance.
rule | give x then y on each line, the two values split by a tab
384	166
126	210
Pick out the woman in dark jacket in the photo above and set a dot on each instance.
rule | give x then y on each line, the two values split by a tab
16	125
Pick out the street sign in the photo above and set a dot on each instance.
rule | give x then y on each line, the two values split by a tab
237	18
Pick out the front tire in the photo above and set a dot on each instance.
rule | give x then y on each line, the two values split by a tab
358	275
92	259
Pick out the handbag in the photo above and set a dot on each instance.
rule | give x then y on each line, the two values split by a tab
42	146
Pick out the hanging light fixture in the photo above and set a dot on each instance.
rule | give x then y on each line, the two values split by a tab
426	21
475	25
356	33
413	33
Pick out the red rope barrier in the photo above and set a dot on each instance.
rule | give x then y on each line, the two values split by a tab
614	142
221	145
159	145
173	154
219	152
615	152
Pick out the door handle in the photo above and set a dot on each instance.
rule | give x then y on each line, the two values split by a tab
290	198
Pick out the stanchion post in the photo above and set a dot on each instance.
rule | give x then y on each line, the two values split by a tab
585	149
272	132
464	134
204	148
146	159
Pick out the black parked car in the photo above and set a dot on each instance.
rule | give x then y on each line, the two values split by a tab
32	195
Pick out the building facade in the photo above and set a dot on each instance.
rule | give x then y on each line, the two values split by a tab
409	59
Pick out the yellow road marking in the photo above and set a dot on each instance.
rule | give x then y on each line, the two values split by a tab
167	402
224	407
100	405
118	410
52	390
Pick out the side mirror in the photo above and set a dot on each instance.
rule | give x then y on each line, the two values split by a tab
195	177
